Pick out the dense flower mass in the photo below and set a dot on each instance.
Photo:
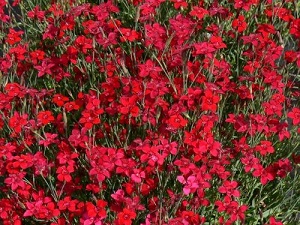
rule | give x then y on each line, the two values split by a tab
149	112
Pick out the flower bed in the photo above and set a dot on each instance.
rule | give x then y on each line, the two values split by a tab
150	112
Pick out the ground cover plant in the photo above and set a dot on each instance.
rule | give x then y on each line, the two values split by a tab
150	112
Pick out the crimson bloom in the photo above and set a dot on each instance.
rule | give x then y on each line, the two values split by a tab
229	188
199	12
17	122
239	24
15	181
232	208
128	35
129	107
204	48
37	55
245	4
41	209
64	173
155	35
125	217
83	43
14	89
265	147
67	204
265	174
60	99
209	101
44	68
89	120
149	69
295	116
71	106
36	13
273	221
45	117
13	36
98	210
179	3
295	28
177	121
217	42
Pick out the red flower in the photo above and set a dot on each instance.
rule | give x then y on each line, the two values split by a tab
149	68
78	137
265	174
14	89
229	188
71	56
37	55
70	106
199	12
89	120
152	156
295	116
124	166
119	195
17	122
64	173
67	204
66	157
179	3
249	162
125	217
129	107
128	35
265	147
217	42
23	161
272	108
252	66
290	56
295	28
209	101
273	221
204	48
59	99
36	13
183	27
83	44
189	217
155	35
98	210
296	158
18	51
13	36
45	117
239	24
245	4
232	208
177	121
41	209
184	165
15	181
266	29
101	168
33	208
45	68
282	167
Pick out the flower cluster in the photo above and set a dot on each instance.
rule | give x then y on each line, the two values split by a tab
150	112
